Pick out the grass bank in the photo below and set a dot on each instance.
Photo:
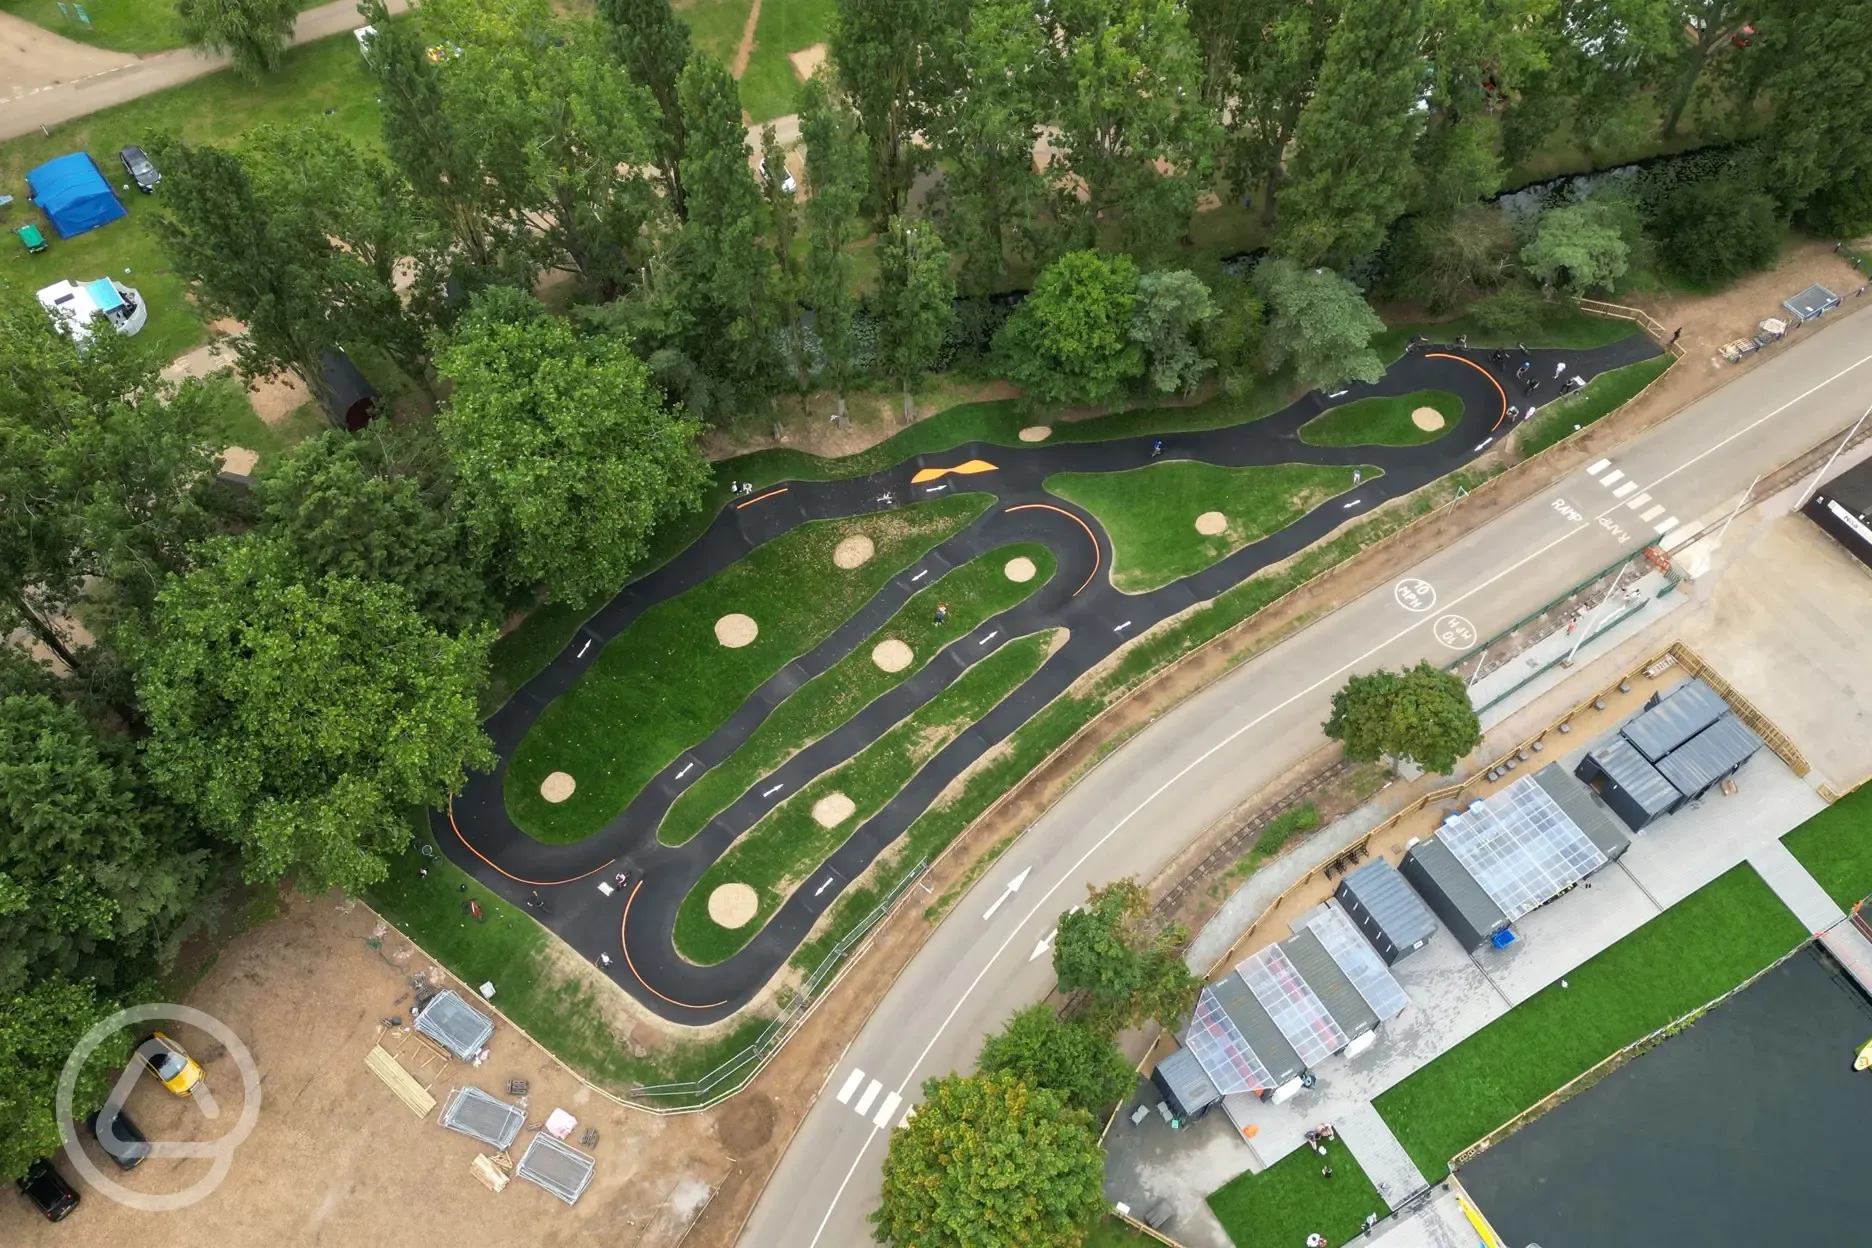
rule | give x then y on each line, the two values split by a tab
1836	847
1291	1199
665	683
1698	949
1562	324
973	592
1151	512
1383	421
1602	396
787	846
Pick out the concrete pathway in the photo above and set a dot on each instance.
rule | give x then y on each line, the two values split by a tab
1799	891
1379	1154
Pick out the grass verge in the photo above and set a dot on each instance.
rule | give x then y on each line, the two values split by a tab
1836	847
665	683
1602	396
787	846
975	591
1700	948
1291	1199
1111	1233
1561	325
1151	512
1383	421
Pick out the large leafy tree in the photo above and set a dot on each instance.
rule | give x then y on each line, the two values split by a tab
1172	308
1070	340
891	55
1129	968
1711	26
39	1029
301	720
1578	247
1271	74
1041	1050
834	186
1318	323
251	33
564	456
988	1162
1715	229
653	44
915	302
1422	714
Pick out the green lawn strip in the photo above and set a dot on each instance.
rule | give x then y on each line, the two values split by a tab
1700	948
120	25
1151	512
787	846
1383	421
1836	847
1291	1199
1562	325
512	951
1603	395
1111	1233
665	683
770	88
976	590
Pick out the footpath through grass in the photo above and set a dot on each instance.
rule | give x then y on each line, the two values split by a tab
785	848
1291	1199
1151	512
1836	847
1694	952
975	591
1602	396
665	683
770	88
1383	421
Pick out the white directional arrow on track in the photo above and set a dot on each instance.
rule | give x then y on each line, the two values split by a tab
1012	888
1046	942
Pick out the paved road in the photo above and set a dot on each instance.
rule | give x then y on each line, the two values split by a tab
1146	801
97	88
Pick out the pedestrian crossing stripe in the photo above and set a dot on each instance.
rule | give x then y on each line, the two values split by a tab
1611	478
888	1108
1638	502
870	1094
1598	466
851	1085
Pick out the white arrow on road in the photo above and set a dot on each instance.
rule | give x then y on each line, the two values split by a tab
1047	943
1013	887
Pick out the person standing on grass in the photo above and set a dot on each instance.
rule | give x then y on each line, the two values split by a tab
1316	1240
942	612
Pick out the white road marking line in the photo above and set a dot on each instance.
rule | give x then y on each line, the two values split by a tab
935	489
1122	627
1652	513
1329	679
870	1094
1636	503
1667	525
584	648
1598	466
908	1115
1611	478
888	1108
919	576
776	788
684	771
1625	489
990	637
851	1085
1349	506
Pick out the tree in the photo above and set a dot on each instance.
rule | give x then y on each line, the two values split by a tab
653	44
886	52
1352	166
252	33
1070	340
39	1030
1039	1050
915	302
1422	714
564	459
1318	323
1130	969
1172	308
1578	247
788	281
1276	65
1712	25
302	720
989	1162
834	187
1232	337
1715	229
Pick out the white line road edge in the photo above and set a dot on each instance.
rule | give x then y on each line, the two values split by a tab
1209	753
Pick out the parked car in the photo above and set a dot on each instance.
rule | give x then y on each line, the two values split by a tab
141	169
169	1062
122	1141
50	1194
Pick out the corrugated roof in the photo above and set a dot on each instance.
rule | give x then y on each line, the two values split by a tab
1185	1077
1384	895
1580	804
1323	975
1710	755
1257	1027
1634	775
1293	1005
1685	711
1521	847
1458	888
1358	960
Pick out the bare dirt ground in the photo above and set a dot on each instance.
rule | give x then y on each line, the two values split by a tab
745	48
807	60
33	58
871	417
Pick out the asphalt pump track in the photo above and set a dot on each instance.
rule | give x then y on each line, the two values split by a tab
633	926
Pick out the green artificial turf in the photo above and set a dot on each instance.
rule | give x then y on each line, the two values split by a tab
1291	1199
1603	395
665	683
1151	512
1383	421
1700	948
973	592
1836	847
770	87
784	848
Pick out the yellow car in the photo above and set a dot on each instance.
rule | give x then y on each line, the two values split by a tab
169	1062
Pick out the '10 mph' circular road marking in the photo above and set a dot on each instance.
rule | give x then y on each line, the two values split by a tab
1454	631
1415	594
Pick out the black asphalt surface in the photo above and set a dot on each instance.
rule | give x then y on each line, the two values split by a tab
1749	1130
485	842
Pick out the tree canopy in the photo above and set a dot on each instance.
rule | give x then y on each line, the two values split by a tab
1318	324
251	33
1130	968
1040	1050
39	1029
1421	714
1070	341
1172	309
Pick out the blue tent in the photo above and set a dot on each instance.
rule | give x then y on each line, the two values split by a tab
73	195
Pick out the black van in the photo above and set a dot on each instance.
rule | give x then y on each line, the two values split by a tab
48	1191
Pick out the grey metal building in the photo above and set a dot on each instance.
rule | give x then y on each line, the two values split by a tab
1671	719
1471	916
1186	1087
1630	785
1321	972
1843	508
1392	917
1237	1044
1705	760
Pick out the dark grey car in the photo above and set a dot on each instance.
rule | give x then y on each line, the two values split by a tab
138	165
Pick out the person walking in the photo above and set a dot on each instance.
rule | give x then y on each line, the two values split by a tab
1675	335
1325	1172
604	959
1358	475
1559	368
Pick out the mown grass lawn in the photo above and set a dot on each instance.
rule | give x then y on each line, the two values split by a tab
1291	1199
1602	396
1382	421
665	683
1151	512
1694	952
1836	847
784	848
120	25
973	592
1562	325
770	88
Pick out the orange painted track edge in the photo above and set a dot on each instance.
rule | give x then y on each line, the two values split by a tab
1440	355
749	503
625	945
510	875
1098	556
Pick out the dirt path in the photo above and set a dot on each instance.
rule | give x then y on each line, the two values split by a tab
33	58
745	48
